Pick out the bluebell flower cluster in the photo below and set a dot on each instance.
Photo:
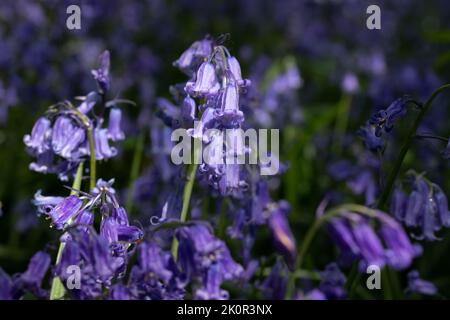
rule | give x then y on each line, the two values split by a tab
59	140
210	97
424	209
387	244
238	233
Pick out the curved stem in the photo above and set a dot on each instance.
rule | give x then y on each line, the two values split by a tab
309	236
431	136
404	149
57	290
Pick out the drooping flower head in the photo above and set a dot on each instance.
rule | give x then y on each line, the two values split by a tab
60	139
384	243
424	209
382	122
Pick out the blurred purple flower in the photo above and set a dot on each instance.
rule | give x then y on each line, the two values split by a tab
101	75
417	285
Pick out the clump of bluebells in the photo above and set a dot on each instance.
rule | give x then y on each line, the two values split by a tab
192	254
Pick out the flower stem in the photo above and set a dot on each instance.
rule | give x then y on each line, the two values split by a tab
407	144
186	200
342	117
135	166
57	290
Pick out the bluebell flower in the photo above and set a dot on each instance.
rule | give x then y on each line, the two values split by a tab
101	75
6	286
370	245
67	137
332	283
88	103
235	69
102	148
210	288
350	83
116	233
31	279
275	284
399	251
156	276
418	285
38	140
358	177
115	132
382	122
229	113
207	121
198	51
314	294
45	204
168	113
64	211
206	83
341	232
12	288
120	292
283	238
188	111
199	251
371	140
98	267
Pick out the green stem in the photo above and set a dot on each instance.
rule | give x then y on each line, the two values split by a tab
57	290
328	215
341	123
93	168
186	200
404	150
135	167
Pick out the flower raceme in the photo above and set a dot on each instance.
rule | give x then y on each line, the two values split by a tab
79	211
359	241
425	208
60	140
210	99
